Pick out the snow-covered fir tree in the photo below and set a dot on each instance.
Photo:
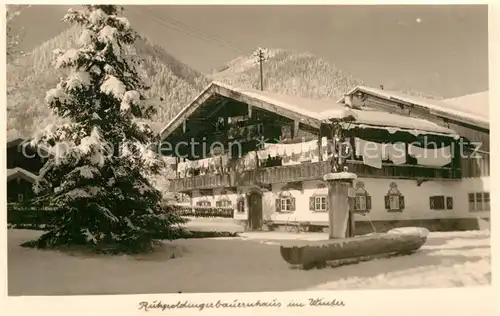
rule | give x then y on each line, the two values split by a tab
97	175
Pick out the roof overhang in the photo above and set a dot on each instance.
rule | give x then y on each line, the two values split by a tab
435	107
20	173
312	119
337	112
20	143
15	142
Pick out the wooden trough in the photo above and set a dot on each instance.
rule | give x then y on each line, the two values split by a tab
310	254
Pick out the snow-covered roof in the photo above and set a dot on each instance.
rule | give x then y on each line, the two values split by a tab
17	172
319	109
476	103
438	107
14	142
312	112
399	122
26	143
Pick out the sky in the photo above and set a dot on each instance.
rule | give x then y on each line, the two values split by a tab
442	50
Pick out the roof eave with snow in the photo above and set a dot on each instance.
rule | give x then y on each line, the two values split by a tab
20	173
336	113
440	109
291	111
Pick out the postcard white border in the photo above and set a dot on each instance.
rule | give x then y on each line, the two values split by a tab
450	301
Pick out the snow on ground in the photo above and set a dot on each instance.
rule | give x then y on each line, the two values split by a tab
214	224
249	263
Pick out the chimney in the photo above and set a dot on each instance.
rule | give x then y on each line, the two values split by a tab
381	87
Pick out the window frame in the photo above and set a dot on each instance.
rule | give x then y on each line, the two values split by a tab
479	205
240	205
204	203
361	194
394	195
285	201
285	198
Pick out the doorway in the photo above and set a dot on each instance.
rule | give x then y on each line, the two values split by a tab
255	210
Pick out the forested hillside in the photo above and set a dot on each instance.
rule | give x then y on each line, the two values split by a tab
173	84
296	73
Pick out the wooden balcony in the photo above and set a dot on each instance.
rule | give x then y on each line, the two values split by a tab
210	181
310	171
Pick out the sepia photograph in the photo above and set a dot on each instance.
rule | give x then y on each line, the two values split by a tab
181	149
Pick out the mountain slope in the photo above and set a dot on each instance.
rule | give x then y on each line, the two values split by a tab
286	72
33	75
294	73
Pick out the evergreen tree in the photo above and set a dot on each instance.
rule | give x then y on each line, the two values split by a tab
97	175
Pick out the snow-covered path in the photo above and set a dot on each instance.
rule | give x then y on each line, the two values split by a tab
251	263
448	259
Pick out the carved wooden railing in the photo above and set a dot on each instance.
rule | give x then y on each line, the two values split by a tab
210	181
310	171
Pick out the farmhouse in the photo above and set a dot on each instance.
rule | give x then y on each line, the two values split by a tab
23	165
263	155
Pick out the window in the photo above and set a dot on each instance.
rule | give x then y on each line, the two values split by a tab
204	203
318	203
183	198
479	201
440	202
285	203
449	203
363	201
394	200
20	197
240	205
223	203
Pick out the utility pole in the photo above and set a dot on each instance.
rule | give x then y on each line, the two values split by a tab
261	55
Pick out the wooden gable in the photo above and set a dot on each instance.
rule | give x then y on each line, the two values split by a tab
216	97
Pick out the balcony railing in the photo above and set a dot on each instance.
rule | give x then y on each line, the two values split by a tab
209	181
308	171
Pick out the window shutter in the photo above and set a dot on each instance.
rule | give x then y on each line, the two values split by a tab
292	204
387	202
368	202
312	201
278	205
352	204
431	202
327	203
449	203
401	202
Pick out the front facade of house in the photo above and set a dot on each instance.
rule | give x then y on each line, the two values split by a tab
285	147
23	166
